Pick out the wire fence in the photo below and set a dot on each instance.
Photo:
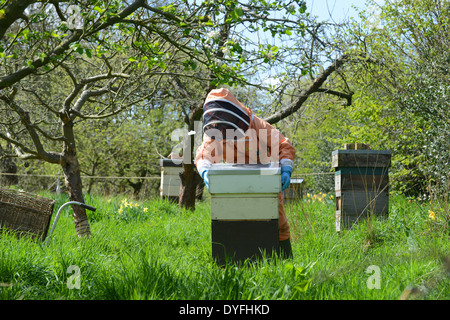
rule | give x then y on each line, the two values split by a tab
82	176
129	177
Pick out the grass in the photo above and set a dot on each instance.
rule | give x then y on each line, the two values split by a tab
155	250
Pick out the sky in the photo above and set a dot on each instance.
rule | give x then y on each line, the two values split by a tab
336	10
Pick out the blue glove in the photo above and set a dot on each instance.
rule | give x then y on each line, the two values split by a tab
205	178
286	172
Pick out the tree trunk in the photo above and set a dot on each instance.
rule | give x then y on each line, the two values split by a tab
138	185
74	187
190	178
189	181
72	177
199	190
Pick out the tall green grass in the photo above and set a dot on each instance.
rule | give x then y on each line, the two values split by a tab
155	250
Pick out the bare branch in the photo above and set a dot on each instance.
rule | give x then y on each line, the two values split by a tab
83	84
19	147
304	95
347	96
31	129
97	116
85	95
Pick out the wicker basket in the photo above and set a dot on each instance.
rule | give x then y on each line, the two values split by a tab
25	213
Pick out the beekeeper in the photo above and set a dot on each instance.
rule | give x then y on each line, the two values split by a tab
232	133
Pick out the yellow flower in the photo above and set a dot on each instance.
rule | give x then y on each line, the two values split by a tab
120	210
136	205
145	209
308	195
432	215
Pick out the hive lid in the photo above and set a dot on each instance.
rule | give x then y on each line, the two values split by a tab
352	151
171	162
361	158
247	169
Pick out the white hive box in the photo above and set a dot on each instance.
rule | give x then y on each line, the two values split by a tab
245	178
170	178
244	192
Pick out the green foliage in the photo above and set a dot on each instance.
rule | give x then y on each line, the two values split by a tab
423	26
399	76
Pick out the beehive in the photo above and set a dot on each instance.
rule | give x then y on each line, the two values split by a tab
244	210
294	191
361	184
170	178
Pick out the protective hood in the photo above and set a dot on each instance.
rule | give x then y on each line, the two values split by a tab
224	116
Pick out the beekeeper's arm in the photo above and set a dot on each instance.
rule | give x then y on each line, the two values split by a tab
209	152
273	139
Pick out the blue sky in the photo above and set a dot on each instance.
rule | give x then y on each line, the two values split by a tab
338	10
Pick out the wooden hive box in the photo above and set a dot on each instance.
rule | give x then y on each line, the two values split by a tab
244	211
361	184
294	191
170	178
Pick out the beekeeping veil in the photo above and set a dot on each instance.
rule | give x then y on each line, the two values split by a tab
224	117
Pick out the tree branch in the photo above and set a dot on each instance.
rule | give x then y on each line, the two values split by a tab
40	152
347	96
304	95
19	147
87	93
77	35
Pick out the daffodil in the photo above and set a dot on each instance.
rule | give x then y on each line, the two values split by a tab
145	209
120	210
431	215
